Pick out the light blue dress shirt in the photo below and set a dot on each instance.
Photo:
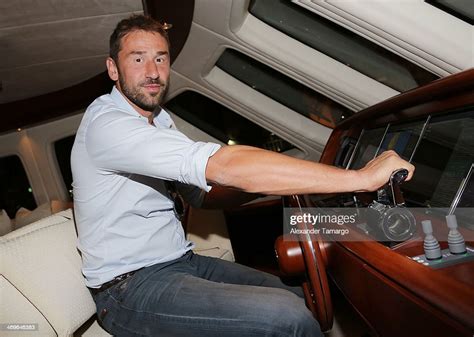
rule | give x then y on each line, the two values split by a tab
125	218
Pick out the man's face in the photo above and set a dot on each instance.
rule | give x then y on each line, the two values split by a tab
142	70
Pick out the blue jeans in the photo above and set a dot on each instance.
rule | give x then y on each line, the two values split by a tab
202	296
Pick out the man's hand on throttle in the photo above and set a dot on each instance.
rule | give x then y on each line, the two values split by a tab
377	171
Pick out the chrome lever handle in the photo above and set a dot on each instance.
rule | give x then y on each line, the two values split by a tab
397	177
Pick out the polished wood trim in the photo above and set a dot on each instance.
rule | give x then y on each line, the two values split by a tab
390	309
309	296
316	273
290	256
442	291
447	290
443	297
332	147
413	103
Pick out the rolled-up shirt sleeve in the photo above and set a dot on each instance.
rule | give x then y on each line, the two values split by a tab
119	142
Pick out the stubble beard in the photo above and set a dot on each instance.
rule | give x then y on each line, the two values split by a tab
140	99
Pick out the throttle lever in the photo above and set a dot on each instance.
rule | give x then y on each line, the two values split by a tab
390	194
387	218
398	177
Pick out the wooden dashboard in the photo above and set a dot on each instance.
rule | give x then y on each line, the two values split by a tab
396	295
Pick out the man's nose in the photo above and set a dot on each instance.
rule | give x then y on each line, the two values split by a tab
152	70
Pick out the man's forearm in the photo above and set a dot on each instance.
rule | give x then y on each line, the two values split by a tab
221	198
259	171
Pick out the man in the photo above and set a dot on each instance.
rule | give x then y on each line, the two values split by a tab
142	273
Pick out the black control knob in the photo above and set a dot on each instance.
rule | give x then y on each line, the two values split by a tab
399	176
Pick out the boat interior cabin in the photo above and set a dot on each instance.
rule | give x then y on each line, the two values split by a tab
332	81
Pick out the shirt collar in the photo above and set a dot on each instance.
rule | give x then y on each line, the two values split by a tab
161	118
122	103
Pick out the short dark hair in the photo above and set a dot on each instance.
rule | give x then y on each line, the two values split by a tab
133	23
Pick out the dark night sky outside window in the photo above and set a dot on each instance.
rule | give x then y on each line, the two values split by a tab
462	9
62	148
223	123
15	189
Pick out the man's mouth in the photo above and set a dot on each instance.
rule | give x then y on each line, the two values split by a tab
152	87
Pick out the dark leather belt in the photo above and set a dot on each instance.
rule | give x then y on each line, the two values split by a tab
112	282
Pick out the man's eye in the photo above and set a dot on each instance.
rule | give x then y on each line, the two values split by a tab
160	60
138	60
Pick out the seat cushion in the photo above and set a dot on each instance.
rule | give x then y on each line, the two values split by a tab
42	262
20	310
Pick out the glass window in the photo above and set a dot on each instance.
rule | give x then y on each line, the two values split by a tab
367	147
15	189
462	9
63	148
442	159
282	88
222	123
402	139
341	44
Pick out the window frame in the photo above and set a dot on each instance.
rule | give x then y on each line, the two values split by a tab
321	98
26	174
234	111
368	51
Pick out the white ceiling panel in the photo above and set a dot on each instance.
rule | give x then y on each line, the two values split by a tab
27	12
48	45
39	79
56	41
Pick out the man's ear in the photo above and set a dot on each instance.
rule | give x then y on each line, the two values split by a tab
112	69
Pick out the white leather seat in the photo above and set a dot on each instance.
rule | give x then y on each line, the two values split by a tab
41	280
